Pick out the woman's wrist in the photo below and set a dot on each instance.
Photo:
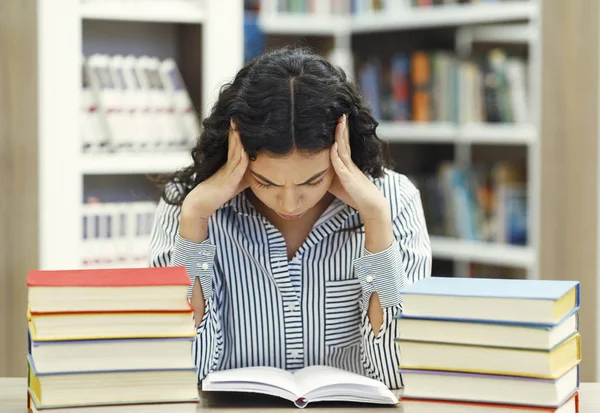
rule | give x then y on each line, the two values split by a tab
193	227
378	231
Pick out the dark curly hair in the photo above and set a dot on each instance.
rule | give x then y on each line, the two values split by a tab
285	99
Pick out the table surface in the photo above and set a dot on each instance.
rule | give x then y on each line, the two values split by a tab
13	391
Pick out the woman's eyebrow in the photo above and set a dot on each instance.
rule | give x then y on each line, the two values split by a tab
263	178
315	176
312	178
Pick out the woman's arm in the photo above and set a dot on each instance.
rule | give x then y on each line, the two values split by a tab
383	275
378	238
169	248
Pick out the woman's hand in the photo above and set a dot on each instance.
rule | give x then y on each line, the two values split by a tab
350	184
202	201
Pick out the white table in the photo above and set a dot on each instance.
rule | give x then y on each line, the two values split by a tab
13	400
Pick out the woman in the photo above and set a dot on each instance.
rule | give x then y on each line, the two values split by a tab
297	238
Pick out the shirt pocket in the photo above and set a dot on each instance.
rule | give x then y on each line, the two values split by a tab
342	312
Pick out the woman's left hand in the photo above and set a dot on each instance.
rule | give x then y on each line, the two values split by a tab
350	184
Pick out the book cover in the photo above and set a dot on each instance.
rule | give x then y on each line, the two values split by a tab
118	277
494	288
491	407
479	376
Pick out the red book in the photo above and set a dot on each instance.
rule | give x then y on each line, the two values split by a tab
119	277
108	290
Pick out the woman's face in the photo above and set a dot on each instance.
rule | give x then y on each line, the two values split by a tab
293	184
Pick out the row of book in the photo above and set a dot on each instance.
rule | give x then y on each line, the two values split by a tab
479	202
116	234
429	3
133	103
430	86
365	6
117	340
477	345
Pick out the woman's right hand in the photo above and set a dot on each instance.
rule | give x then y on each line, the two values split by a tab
209	195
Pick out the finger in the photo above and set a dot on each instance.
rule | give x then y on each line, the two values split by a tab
346	136
238	159
239	174
342	147
233	140
336	161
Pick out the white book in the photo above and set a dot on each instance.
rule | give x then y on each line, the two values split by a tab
185	113
116	354
95	129
159	102
516	74
129	115
91	237
118	250
140	217
155	125
109	95
91	129
308	385
323	7
139	102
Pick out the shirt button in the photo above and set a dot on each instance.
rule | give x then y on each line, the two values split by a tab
204	266
291	307
295	354
369	278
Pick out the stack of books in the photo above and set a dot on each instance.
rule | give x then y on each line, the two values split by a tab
108	341
469	344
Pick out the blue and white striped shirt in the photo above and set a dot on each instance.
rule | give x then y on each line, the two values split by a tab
265	310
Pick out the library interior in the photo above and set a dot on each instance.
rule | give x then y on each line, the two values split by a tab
489	108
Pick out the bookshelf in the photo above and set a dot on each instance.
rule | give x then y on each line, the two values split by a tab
188	31
463	26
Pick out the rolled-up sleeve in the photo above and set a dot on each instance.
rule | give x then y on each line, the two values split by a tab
386	273
168	248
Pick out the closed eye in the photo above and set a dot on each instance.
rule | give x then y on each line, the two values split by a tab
319	182
262	185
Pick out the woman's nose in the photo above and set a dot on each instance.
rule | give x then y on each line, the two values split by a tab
289	201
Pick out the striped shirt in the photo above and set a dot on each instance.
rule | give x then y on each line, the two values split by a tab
265	310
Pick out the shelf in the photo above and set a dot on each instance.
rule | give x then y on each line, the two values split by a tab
498	134
506	33
175	11
443	16
442	132
304	24
134	163
417	132
482	252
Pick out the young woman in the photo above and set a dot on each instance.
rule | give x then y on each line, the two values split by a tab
297	237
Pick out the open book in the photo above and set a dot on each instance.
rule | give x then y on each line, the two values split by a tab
308	385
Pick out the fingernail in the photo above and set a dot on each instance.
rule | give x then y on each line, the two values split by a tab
345	119
335	146
242	153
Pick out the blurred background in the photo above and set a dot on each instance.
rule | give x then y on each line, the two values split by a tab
489	106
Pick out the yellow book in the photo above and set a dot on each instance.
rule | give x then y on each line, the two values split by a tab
546	364
94	326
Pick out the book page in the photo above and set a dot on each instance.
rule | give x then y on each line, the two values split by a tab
267	376
314	377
